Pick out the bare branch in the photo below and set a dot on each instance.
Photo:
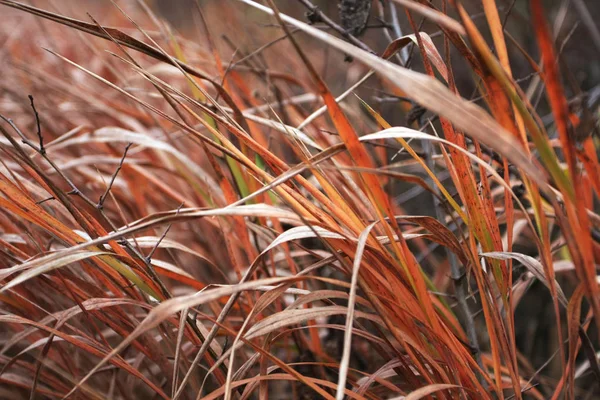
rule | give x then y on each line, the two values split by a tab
149	256
112	179
42	150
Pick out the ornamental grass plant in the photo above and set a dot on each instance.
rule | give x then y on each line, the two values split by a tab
299	199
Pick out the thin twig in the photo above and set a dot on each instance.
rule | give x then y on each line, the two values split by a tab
258	50
507	14
74	190
45	200
42	150
112	179
149	256
21	135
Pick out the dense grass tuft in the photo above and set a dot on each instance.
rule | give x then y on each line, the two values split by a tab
262	205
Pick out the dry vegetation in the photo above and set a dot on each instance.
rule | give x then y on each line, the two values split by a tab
197	215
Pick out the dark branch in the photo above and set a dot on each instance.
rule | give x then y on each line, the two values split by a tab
42	150
149	256
112	179
45	200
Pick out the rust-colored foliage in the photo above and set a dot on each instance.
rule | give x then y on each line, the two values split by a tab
197	215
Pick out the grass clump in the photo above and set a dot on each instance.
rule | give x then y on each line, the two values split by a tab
195	214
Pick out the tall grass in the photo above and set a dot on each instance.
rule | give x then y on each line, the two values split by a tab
200	216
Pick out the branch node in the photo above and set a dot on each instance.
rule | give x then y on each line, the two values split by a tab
313	16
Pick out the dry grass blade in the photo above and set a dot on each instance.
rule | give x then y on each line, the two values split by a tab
424	391
166	309
344	363
407	133
532	265
433	15
37	267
